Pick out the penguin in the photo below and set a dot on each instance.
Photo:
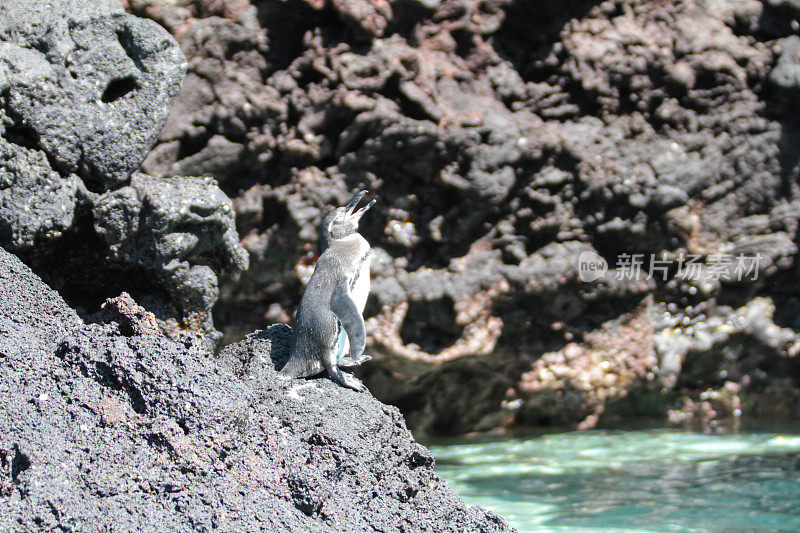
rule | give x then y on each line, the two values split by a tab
329	320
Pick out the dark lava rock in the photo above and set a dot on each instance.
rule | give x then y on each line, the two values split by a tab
104	431
87	83
504	138
785	76
132	318
84	90
37	204
161	226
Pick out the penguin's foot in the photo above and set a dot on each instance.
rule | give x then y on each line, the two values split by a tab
349	361
346	380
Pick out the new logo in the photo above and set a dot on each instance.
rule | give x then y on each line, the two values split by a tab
591	267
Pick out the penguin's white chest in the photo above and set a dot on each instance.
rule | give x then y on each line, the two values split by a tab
361	286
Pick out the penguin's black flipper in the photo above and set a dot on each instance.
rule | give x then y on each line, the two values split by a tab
345	309
341	357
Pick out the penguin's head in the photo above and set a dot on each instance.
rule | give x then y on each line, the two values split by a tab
342	221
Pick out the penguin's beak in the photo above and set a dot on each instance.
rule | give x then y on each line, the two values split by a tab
354	202
356	215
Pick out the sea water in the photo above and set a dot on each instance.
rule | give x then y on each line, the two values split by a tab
643	480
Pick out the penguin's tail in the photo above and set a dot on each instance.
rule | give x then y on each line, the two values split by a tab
300	367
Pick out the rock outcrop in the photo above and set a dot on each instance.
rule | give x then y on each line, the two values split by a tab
505	138
85	89
105	427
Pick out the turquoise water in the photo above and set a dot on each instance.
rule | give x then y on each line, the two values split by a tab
649	480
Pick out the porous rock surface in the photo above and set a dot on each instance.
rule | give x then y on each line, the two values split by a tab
102	427
85	89
87	83
505	138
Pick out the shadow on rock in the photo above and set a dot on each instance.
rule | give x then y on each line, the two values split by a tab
264	350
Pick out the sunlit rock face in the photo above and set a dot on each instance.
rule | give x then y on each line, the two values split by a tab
87	84
85	89
505	139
